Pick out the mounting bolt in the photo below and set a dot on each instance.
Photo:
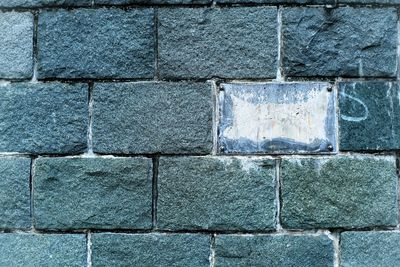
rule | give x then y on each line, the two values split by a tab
329	88
330	147
222	149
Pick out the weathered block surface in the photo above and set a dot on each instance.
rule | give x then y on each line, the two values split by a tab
152	118
355	42
216	193
96	43
150	250
231	43
14	192
277	118
36	3
46	118
273	250
369	113
370	249
45	250
350	192
103	193
16	45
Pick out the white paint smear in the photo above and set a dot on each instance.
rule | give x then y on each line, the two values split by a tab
302	121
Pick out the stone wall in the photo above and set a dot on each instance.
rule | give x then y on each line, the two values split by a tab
199	133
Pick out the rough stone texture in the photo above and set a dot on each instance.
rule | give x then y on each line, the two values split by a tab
350	192
370	249
45	250
231	43
103	193
349	42
96	43
152	118
37	3
273	250
149	250
121	2
216	193
369	113
46	118
16	45
14	192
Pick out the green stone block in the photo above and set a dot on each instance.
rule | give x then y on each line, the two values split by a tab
369	249
98	193
149	250
369	113
44	250
14	192
167	118
339	192
218	42
216	193
273	250
344	42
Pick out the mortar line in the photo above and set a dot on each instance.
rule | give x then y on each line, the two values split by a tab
279	72
90	120
386	153
212	250
287	232
278	193
89	249
335	237
32	191
299	79
154	193
35	51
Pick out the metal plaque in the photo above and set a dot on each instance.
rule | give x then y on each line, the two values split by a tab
277	118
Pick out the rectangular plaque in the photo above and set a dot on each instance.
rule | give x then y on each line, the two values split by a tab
277	118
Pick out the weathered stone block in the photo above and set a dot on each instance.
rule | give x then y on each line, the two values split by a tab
368	116
230	43
216	193
102	193
277	118
150	250
40	3
370	249
152	118
273	250
49	118
45	250
14	192
96	43
349	42
344	192
16	45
